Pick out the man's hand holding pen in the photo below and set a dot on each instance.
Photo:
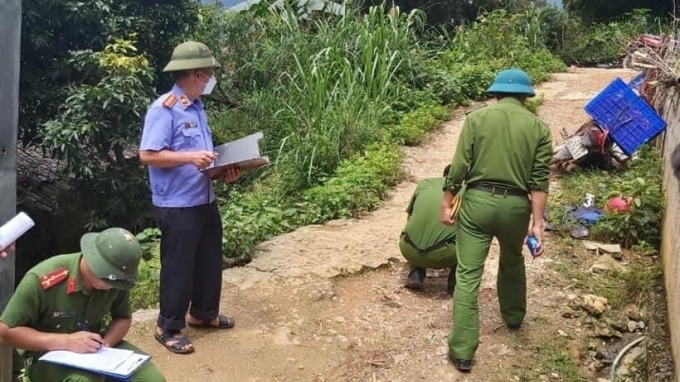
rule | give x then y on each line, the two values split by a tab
84	342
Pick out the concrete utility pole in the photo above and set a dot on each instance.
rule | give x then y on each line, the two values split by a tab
10	30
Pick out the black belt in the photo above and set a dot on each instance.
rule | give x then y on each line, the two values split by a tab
431	248
494	189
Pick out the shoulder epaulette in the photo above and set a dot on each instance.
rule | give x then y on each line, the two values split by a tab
184	101
71	287
53	278
170	101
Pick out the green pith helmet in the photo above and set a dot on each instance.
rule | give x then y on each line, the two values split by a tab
191	55
113	255
512	81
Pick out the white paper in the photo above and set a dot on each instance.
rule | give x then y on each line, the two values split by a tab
104	361
14	228
243	152
131	364
575	147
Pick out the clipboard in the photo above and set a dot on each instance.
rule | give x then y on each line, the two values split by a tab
243	153
115	363
455	206
457	201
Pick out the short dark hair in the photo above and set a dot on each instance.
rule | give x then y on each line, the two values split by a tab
510	95
180	74
446	170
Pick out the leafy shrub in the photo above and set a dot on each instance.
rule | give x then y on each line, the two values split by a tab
415	125
251	218
444	83
600	43
498	40
642	221
358	186
145	293
95	130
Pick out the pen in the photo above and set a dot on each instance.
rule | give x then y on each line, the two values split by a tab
85	328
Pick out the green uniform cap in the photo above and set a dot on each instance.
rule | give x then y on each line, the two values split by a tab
191	55
512	81
113	255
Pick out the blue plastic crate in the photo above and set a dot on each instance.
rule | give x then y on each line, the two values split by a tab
630	120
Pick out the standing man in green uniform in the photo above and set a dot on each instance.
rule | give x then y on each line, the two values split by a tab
61	303
425	242
503	157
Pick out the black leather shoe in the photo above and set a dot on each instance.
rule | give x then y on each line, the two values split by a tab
416	278
513	327
462	365
451	282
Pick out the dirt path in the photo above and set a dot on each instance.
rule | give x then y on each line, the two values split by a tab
326	303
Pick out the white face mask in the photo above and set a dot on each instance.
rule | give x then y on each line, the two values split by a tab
210	85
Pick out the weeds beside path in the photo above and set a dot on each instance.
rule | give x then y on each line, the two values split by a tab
326	303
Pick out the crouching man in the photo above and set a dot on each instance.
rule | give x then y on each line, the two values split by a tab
62	302
425	242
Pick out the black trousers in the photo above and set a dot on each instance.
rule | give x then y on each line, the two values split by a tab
191	264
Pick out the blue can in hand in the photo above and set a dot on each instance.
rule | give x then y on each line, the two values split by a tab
532	245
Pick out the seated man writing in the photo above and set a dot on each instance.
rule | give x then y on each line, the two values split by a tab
425	242
62	302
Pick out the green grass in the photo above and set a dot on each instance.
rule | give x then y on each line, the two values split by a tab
551	356
639	280
605	285
146	298
620	287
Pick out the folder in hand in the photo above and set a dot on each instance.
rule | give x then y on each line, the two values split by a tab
243	153
455	206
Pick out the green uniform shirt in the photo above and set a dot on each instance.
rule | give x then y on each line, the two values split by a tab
502	144
423	227
51	298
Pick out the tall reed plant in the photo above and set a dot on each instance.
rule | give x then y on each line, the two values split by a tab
334	99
